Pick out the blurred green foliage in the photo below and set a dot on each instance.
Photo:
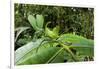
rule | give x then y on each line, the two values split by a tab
76	20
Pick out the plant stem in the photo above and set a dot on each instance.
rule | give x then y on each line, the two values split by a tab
68	49
59	51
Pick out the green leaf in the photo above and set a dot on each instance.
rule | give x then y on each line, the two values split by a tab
19	30
39	20
32	21
62	57
56	30
83	46
26	50
50	33
42	56
28	54
45	54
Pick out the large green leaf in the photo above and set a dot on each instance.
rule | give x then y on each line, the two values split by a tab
28	54
83	46
42	56
25	50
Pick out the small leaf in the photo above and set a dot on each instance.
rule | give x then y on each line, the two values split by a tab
56	30
50	33
39	20
32	21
